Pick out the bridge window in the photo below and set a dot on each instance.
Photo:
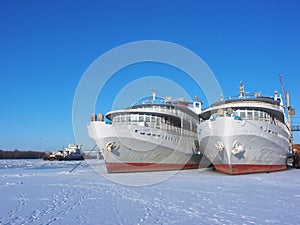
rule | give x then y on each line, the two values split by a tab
242	114
147	118
134	117
256	115
249	114
141	118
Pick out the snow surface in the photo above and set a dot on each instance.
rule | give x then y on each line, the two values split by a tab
38	192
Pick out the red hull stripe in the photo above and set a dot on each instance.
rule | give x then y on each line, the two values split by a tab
247	168
144	167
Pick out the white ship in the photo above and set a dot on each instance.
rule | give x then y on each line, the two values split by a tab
153	134
72	152
245	135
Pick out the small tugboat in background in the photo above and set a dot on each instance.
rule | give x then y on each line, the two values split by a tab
72	152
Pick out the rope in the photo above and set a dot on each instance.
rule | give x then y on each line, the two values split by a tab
82	160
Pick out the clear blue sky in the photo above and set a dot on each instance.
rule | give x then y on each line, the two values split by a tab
46	46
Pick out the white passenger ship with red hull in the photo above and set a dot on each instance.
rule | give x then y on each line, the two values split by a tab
154	134
246	134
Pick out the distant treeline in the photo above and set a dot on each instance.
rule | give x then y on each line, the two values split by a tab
16	154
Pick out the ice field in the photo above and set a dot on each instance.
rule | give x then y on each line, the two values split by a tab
43	192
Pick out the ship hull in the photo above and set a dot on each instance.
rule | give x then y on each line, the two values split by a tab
244	146
134	148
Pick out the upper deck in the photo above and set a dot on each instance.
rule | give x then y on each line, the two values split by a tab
161	107
249	105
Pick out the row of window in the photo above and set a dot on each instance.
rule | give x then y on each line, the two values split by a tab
160	122
250	114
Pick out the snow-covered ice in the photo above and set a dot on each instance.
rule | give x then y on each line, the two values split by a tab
38	192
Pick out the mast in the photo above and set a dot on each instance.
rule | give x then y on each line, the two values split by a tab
153	94
290	110
242	89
